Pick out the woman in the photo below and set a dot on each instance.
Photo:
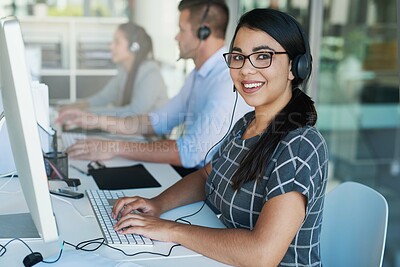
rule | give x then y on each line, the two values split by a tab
138	87
269	176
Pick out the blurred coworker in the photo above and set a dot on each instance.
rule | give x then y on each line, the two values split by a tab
138	87
204	104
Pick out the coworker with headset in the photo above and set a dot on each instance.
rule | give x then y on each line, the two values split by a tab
204	104
138	87
269	175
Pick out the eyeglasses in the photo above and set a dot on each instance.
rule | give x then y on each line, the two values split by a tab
259	60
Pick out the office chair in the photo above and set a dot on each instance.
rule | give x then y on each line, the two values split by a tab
353	227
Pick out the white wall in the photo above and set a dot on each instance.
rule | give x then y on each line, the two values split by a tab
160	19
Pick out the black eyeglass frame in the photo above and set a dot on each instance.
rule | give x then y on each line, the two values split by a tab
271	53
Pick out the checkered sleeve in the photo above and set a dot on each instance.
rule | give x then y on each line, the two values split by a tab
298	164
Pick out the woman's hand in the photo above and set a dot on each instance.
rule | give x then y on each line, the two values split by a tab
126	205
94	149
138	215
146	225
73	118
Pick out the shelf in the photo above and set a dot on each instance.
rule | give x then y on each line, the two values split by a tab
72	47
96	72
55	72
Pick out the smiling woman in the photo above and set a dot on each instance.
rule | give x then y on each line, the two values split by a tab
269	175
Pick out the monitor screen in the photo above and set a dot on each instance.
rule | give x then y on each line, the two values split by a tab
22	128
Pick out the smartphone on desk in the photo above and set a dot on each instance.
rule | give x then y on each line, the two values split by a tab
66	193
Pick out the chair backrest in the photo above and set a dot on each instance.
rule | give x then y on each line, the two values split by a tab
353	227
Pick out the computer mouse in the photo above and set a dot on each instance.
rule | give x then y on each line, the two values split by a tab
32	259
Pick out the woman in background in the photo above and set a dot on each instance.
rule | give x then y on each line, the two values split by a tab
138	88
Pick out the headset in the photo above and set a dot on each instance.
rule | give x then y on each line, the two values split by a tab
204	31
301	64
135	46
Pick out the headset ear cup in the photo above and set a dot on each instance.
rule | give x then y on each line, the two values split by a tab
301	67
203	32
134	47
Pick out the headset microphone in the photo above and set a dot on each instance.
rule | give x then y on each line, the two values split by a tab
188	52
234	89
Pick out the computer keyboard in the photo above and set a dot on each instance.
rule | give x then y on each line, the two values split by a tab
102	202
68	139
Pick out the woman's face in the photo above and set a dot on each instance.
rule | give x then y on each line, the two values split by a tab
120	48
267	87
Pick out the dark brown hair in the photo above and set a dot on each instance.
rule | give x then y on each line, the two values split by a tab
217	18
299	112
135	33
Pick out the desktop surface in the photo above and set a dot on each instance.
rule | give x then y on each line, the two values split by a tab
76	223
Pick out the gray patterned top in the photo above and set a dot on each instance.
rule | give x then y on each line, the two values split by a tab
299	163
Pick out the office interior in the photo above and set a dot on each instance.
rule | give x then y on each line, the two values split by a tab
355	81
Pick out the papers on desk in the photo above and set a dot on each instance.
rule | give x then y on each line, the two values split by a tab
84	259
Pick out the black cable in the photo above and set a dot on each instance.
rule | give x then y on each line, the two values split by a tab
192	214
3	248
145	252
59	255
82	246
204	163
101	241
226	134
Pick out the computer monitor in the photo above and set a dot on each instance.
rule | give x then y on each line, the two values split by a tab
22	128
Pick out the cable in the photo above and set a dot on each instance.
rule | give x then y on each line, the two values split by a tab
2	119
226	134
59	254
145	252
100	241
82	246
3	248
204	163
8	174
6	183
192	214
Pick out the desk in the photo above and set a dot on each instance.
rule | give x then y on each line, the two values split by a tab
76	223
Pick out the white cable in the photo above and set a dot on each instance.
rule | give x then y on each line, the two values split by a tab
6	183
2	119
69	203
4	175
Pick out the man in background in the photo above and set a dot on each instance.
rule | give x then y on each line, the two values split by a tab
204	104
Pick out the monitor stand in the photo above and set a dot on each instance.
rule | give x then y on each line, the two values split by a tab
19	225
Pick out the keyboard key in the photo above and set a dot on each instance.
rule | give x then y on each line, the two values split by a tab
102	210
